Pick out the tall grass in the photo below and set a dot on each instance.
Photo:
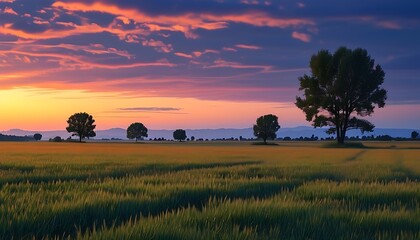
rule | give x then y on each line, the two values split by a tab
208	191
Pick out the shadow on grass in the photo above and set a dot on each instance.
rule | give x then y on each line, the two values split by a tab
264	144
103	172
92	216
344	145
360	145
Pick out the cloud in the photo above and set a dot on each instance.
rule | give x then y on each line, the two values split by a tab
389	25
185	22
150	109
251	47
202	49
158	45
229	49
301	36
183	55
9	10
196	54
220	63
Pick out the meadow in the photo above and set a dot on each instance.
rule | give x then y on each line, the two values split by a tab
209	191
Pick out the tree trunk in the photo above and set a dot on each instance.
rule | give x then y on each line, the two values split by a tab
80	138
340	139
265	141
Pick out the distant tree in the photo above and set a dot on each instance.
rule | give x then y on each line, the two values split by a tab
414	134
266	127
136	131
180	135
341	85
81	125
192	138
56	139
37	136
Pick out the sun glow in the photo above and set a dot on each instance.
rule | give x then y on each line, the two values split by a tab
48	109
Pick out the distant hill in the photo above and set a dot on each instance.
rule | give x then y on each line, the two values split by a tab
295	132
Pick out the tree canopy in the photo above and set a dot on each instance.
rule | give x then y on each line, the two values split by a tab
81	125
37	136
342	85
136	131
266	127
414	134
180	135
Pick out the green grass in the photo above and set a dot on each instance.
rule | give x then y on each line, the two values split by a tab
209	191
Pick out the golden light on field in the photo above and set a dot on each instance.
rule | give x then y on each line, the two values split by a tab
48	109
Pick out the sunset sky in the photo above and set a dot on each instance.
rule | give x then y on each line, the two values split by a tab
193	64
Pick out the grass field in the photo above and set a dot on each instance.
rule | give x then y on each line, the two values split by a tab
209	191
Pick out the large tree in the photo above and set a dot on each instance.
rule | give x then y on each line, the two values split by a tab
136	131
342	85
266	127
81	125
180	135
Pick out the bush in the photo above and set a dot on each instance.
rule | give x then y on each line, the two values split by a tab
56	139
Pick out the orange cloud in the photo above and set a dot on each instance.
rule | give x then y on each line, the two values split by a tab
9	10
74	30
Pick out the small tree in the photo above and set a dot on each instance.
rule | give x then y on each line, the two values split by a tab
180	135
37	136
81	125
266	127
192	138
414	134
342	85
136	131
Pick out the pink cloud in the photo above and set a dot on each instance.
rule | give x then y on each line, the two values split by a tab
220	63
183	55
389	25
158	45
229	49
251	47
301	36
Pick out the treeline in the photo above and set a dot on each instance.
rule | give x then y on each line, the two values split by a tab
16	138
356	138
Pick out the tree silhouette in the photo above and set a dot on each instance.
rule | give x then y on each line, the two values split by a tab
266	127
342	85
414	134
37	136
180	135
136	131
81	125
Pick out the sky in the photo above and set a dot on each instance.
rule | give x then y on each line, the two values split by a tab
193	64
